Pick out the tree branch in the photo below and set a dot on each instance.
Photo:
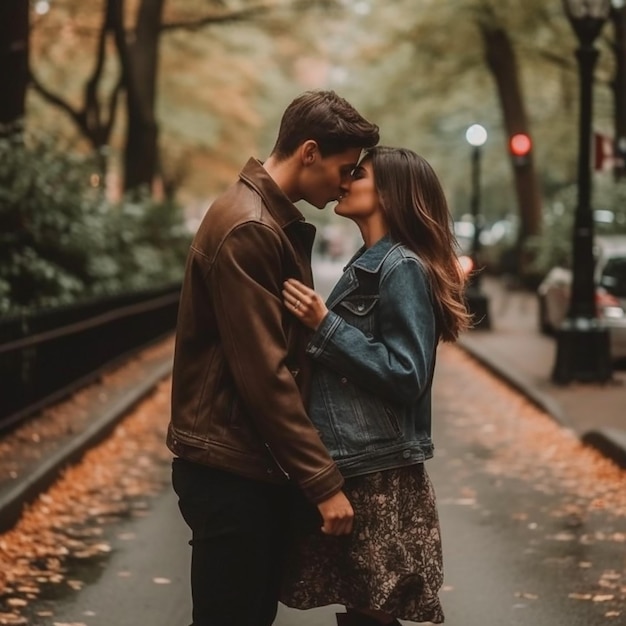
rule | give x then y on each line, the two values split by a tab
112	108
555	59
53	98
92	106
241	15
223	18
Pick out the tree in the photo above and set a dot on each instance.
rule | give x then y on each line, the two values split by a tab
96	115
435	65
417	67
139	62
137	30
139	56
14	31
501	60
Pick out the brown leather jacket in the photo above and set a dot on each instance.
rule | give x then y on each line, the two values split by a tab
240	369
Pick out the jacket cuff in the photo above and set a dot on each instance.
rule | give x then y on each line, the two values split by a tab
323	485
322	334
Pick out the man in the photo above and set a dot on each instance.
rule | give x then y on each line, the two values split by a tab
239	427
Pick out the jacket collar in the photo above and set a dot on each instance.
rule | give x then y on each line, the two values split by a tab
366	259
370	259
278	204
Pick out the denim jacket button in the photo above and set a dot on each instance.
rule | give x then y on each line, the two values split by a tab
343	380
406	454
360	307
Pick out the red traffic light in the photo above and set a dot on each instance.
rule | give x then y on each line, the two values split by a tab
520	145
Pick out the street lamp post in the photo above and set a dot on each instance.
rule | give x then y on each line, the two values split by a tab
477	302
583	352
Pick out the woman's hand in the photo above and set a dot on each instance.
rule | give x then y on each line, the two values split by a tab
337	515
304	303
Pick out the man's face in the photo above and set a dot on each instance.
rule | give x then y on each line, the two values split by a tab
327	178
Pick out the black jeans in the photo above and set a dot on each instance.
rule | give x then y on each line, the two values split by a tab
239	530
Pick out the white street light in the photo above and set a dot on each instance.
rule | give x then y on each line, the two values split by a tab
476	135
477	302
42	7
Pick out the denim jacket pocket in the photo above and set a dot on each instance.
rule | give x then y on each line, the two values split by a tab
360	305
360	311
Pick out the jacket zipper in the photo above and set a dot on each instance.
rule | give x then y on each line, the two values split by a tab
280	467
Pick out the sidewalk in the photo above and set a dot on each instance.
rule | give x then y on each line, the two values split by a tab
516	351
35	454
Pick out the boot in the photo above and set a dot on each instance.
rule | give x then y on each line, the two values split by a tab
354	618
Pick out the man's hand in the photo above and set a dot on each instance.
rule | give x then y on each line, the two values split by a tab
337	514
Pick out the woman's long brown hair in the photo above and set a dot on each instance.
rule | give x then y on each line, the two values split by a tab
417	215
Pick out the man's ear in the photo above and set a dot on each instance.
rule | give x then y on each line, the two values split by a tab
309	152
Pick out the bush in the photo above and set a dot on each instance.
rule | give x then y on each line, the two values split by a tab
61	240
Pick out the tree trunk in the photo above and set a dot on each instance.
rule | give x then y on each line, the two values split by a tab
500	57
14	31
96	117
140	62
618	17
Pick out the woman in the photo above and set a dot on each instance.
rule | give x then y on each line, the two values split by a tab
374	350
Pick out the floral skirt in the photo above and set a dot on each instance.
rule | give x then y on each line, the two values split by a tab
391	561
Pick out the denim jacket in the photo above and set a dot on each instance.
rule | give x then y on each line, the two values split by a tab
374	356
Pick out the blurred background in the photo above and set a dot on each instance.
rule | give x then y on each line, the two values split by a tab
122	119
120	122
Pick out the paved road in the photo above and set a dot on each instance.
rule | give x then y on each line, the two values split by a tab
533	527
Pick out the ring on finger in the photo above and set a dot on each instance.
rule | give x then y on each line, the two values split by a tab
297	304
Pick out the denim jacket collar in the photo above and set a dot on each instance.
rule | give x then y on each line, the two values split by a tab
368	260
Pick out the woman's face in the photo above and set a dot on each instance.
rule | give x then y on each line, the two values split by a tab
360	201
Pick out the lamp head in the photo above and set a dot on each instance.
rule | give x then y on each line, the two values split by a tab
587	17
476	135
585	9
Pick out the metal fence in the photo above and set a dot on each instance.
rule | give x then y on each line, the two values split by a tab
44	355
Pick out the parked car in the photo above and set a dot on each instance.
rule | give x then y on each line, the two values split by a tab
610	275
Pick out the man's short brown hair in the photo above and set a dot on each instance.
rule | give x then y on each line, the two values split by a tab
326	118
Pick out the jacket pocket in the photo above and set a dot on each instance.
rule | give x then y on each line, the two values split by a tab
360	305
360	312
240	422
239	419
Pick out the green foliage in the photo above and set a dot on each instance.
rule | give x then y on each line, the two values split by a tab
145	243
61	240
